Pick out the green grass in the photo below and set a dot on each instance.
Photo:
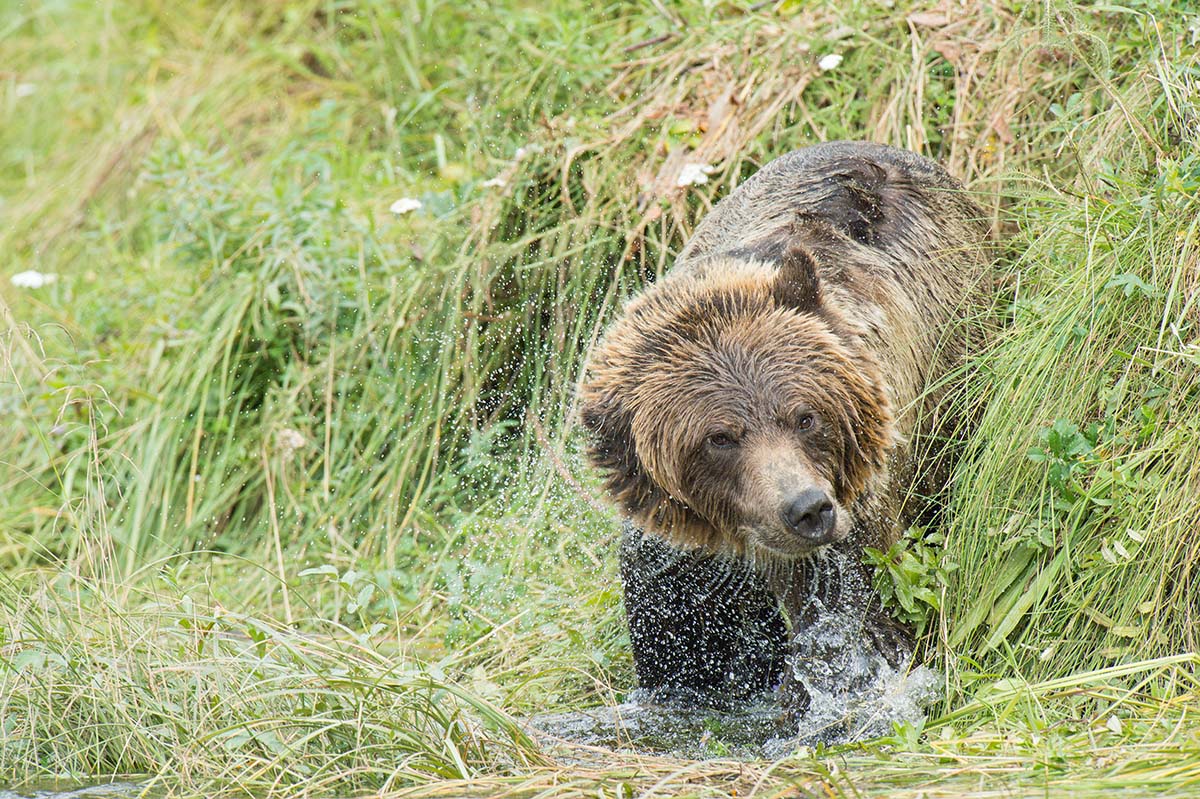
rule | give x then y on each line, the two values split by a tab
290	495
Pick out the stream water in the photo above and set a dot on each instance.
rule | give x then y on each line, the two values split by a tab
842	663
855	667
756	731
64	789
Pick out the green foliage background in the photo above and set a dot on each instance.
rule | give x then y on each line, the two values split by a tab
259	419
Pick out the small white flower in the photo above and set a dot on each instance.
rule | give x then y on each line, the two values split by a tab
32	279
693	174
404	205
495	183
24	89
829	62
289	441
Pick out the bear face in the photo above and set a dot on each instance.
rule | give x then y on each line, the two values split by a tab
730	409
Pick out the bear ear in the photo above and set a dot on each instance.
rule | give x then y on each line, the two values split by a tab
796	283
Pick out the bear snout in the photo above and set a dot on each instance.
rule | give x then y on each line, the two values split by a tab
811	515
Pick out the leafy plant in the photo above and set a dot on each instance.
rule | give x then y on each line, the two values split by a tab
912	576
1067	452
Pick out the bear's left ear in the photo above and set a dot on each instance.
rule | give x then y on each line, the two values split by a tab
796	283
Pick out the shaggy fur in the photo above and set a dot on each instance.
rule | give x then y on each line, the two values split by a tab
798	348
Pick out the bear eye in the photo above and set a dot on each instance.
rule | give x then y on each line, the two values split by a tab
720	441
805	422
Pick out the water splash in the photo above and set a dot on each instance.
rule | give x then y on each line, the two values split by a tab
852	662
761	730
850	679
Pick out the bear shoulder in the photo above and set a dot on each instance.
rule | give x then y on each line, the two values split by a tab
892	200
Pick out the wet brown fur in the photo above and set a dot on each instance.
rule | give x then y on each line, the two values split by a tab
834	284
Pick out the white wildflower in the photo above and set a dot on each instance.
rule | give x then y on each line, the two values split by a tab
404	205
693	174
24	89
32	279
829	62
289	441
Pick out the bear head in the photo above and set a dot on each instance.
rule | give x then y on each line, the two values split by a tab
730	409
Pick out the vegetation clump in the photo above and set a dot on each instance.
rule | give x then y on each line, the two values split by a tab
291	497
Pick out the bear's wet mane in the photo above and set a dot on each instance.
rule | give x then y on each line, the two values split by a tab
772	296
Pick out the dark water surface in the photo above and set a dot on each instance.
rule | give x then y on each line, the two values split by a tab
647	727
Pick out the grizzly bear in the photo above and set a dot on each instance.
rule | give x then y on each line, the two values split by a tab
774	398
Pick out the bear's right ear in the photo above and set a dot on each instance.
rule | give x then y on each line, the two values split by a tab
796	283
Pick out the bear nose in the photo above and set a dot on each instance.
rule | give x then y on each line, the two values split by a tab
811	515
